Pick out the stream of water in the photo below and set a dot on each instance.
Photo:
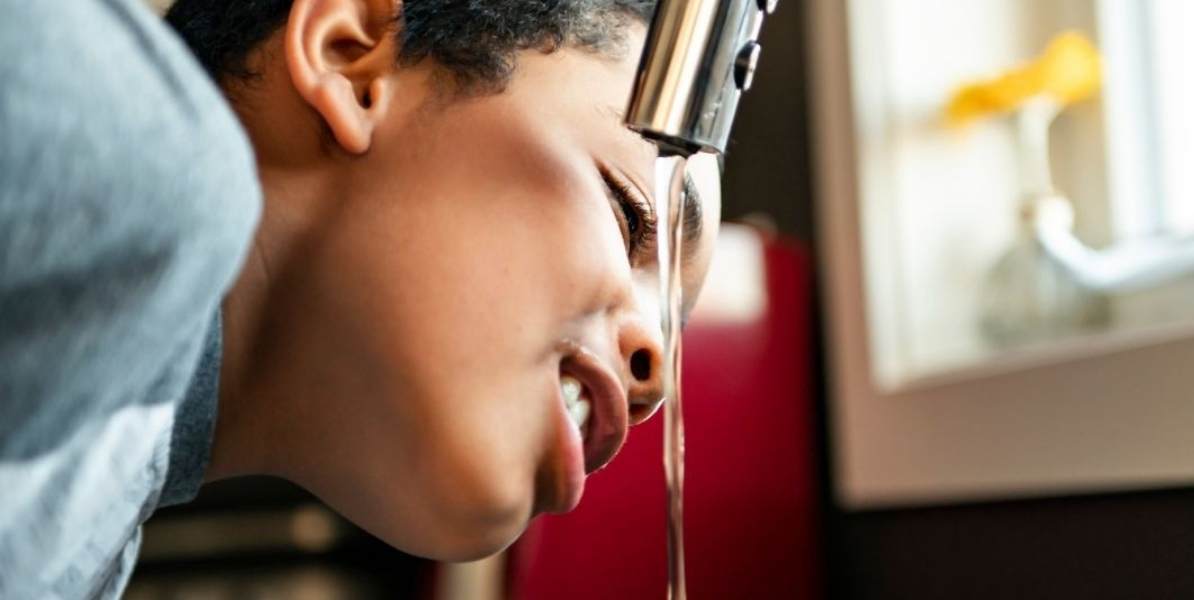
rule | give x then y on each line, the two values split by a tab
670	173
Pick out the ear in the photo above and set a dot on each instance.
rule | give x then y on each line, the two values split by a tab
340	53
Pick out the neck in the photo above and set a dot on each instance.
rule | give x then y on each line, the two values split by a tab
296	181
252	418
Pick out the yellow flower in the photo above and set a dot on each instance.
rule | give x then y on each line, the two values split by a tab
1069	70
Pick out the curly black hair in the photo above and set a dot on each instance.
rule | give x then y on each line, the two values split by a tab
475	40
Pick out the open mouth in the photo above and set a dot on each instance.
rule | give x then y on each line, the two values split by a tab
596	403
577	402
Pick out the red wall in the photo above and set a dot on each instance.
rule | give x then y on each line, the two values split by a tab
750	496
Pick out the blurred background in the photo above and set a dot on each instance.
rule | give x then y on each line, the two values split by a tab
945	351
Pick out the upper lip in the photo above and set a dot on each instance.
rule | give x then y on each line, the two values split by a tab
610	418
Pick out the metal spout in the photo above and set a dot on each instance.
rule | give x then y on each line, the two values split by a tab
699	58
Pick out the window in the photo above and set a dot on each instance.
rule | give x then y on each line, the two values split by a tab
915	218
955	280
1150	99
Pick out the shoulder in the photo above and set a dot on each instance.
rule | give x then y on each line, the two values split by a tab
105	110
128	199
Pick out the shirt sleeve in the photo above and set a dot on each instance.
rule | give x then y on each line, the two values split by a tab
128	199
194	423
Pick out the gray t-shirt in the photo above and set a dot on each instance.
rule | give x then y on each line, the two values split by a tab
128	198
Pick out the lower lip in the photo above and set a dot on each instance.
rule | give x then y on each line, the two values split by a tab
571	467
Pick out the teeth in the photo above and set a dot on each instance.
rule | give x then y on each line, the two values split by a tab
580	414
578	407
571	388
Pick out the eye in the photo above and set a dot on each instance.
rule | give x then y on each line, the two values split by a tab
636	217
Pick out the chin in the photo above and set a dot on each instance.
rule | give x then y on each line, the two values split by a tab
478	549
470	523
472	539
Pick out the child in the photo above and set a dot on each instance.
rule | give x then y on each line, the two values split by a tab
447	315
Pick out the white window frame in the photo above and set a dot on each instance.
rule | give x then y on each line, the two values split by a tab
1149	99
1115	412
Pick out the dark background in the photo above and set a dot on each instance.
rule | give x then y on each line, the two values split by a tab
1134	545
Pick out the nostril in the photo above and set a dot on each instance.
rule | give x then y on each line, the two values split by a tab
641	412
640	365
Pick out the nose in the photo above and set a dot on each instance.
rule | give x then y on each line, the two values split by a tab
642	358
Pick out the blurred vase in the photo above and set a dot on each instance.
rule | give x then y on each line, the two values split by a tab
1029	297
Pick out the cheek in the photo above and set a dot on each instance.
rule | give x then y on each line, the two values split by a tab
442	323
468	279
454	311
451	295
456	304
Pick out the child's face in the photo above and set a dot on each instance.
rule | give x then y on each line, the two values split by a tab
480	266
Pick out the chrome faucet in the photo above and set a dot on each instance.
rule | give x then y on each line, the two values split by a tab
699	58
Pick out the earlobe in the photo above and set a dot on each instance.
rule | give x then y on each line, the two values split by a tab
345	112
338	53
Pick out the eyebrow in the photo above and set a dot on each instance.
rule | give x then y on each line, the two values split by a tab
693	227
693	214
692	219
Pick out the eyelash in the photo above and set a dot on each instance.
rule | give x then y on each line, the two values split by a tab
640	218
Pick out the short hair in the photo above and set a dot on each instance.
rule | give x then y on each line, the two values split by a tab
476	41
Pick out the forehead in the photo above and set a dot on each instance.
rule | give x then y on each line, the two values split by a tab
595	90
571	102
